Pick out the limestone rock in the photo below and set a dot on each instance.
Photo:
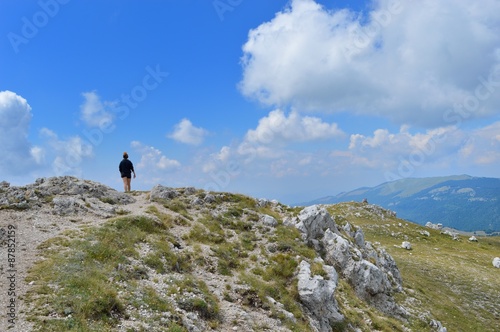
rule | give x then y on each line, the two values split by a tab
209	198
425	233
312	222
317	295
66	195
359	238
268	220
454	235
473	239
162	192
496	262
433	226
406	245
373	283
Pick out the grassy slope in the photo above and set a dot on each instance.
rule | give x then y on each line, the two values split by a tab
454	280
451	281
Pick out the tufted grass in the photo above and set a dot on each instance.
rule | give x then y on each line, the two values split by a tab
454	281
78	281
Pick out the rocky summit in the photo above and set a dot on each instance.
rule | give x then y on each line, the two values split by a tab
79	256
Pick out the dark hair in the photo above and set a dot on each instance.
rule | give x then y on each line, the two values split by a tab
125	155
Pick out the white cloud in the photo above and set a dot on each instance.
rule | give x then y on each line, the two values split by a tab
18	155
153	159
483	146
185	132
38	154
269	140
278	128
93	111
387	150
422	63
66	155
215	159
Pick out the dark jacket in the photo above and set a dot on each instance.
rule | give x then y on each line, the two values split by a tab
126	168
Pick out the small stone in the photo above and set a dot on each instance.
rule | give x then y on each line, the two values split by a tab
406	245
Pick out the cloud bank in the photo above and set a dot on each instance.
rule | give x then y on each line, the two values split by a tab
426	63
18	155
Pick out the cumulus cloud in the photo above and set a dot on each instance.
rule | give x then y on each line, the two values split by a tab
423	63
18	155
185	132
94	112
66	155
153	159
268	149
277	128
386	150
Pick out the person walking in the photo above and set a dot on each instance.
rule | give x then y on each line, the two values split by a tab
126	169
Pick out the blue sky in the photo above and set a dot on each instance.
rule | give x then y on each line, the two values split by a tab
288	100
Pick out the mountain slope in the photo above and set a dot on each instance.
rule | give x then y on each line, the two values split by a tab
462	202
180	259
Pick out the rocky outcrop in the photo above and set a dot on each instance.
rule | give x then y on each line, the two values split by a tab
372	273
312	222
318	296
66	195
162	192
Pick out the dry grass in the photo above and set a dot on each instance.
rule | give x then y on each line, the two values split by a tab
454	281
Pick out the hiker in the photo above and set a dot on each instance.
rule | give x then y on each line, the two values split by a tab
126	169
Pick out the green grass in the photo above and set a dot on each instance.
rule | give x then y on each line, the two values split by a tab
84	271
454	280
83	276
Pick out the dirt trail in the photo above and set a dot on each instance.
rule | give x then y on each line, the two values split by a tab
22	232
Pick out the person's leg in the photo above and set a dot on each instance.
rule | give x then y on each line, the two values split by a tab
128	184
124	183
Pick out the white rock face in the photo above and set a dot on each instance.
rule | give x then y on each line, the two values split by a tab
312	222
372	273
473	239
496	262
373	283
317	294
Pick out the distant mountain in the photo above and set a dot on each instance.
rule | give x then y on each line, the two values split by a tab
462	202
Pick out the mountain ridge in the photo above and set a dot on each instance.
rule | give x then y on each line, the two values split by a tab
463	202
